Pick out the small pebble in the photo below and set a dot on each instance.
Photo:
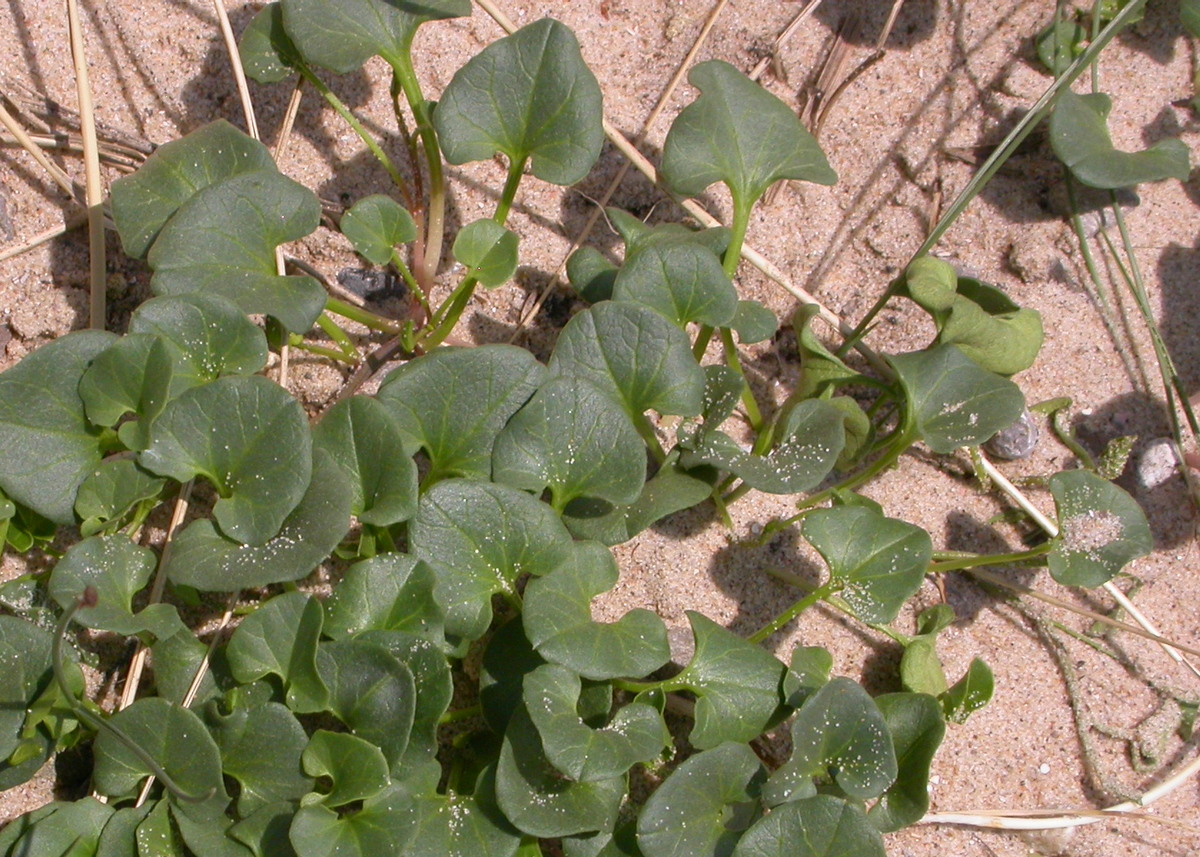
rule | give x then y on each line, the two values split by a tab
1016	441
1043	768
1157	463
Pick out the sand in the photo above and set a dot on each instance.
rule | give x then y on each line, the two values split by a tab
903	137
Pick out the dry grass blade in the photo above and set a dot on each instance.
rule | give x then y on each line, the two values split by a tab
26	142
94	182
772	60
112	155
236	66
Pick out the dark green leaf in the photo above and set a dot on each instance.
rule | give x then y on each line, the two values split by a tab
591	275
280	638
372	693
132	376
364	438
737	685
457	824
819	366
820	826
1189	16
877	562
558	621
456	400
481	538
390	592
970	693
119	836
157	836
111	491
24	674
738	133
488	251
176	661
143	202
73	830
204	559
376	225
915	723
528	95
808	672
634	354
265	831
261	749
356	768
952	401
250	438
47	446
1103	529
704	806
573	438
639	236
507	660
210	837
753	322
117	569
268	55
376	829
682	280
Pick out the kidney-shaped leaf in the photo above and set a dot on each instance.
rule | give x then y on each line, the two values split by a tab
250	438
372	693
356	768
1102	529
738	133
683	280
528	95
820	826
261	749
879	562
267	52
378	828
488	251
952	401
916	726
132	376
280	638
47	445
376	225
558	621
1079	136
389	592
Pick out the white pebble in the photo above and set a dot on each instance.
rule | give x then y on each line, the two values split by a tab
1157	463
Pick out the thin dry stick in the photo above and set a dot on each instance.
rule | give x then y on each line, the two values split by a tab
289	121
55	172
238	74
787	33
94	183
114	155
73	222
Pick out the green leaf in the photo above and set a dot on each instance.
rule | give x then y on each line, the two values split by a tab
204	559
639	236
481	538
704	806
970	693
558	621
143	202
952	401
117	569
208	337
261	748
820	826
1059	43
573	438
488	251
682	280
111	491
372	693
250	438
838	731
1103	529
1079	137
177	740
877	562
916	726
458	824
210	837
738	133
265	831
132	376
819	367
508	658
808	672
538	800
176	660
157	836
753	322
1189	16
376	225
341	35
389	592
222	241
74	831
809	439
47	445
364	439
528	95
636	734
737	685
921	669
376	829
356	767
119	836
456	400
24	673
268	55
591	275
634	354
280	638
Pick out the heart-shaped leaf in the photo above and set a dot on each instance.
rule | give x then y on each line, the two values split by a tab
1103	529
204	559
558	621
267	52
132	376
634	354
261	748
280	638
356	768
737	685
916	726
113	489
378	828
636	734
704	806
117	569
461	824
481	538
820	826
25	655
456	400
682	280
1079	136
250	438
878	562
488	251
573	438
738	133
372	693
47	445
119	836
389	592
376	225
970	693
363	437
952	401
341	35
551	108
143	202
209	837
222	241
753	322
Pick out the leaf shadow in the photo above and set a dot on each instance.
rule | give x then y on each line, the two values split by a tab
915	23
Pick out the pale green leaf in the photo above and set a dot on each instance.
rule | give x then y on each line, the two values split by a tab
488	251
376	225
1103	529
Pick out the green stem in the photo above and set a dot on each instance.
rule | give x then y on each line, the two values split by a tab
448	314
792	612
435	223
516	171
737	236
703	337
365	317
642	424
334	332
978	560
409	280
734	362
460	715
840	605
296	341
